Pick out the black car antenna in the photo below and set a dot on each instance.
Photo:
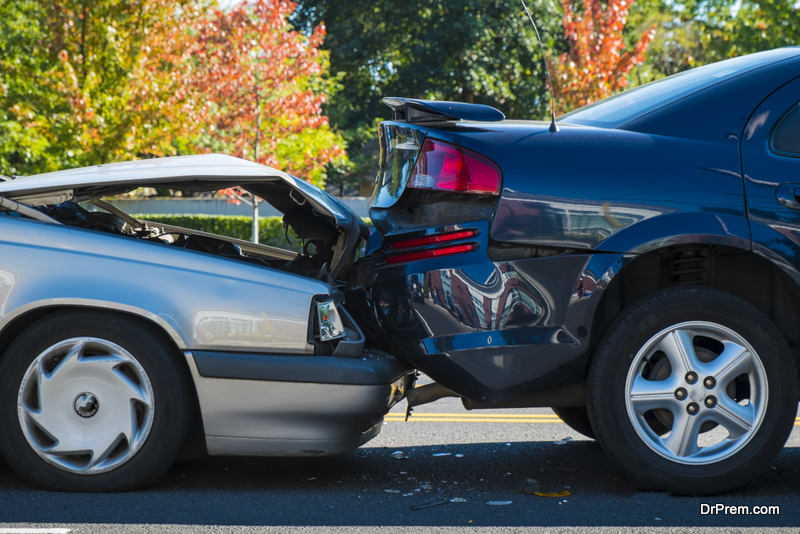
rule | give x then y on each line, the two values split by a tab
553	126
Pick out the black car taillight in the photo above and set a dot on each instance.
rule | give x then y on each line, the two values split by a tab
444	241
432	253
432	239
445	167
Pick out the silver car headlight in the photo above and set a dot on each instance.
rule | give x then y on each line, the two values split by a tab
329	321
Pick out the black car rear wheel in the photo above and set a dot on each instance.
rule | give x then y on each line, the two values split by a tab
91	402
693	391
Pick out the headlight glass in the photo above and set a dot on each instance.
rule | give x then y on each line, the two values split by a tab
329	321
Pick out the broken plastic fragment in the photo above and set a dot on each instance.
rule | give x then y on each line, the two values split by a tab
556	494
459	455
458	499
429	504
391	491
498	503
399	455
442	453
563	440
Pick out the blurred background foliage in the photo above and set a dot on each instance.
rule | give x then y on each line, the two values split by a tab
296	84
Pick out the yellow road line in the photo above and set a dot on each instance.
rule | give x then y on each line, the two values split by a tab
478	415
473	418
482	418
446	420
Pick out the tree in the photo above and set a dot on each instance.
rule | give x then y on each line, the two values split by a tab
696	32
243	82
596	63
736	27
65	68
468	50
254	87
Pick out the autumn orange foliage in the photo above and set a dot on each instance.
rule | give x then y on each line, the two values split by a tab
244	82
597	64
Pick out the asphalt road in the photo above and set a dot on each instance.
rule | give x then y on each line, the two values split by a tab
467	455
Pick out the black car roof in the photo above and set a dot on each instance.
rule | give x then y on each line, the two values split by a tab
621	109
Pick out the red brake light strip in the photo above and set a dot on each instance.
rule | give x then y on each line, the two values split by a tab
425	254
433	239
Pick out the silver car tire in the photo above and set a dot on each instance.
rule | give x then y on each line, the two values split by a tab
92	401
693	391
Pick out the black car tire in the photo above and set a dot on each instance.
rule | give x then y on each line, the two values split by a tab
131	411
710	330
577	419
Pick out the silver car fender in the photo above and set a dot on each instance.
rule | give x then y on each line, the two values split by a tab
201	301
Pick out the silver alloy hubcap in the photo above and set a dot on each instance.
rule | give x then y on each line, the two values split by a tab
60	412
696	393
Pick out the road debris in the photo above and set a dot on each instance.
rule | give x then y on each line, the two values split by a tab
458	499
399	455
529	486
554	494
498	503
391	491
429	504
459	455
437	454
562	441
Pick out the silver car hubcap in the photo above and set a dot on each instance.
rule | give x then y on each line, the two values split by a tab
696	393
85	405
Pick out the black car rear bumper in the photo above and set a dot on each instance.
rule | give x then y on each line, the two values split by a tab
488	330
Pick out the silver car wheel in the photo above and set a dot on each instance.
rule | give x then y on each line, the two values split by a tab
677	391
85	405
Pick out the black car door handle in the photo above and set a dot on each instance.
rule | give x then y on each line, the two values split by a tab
787	195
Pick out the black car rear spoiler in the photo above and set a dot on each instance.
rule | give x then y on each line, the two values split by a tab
416	110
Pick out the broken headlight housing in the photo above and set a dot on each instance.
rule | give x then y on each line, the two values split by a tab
329	322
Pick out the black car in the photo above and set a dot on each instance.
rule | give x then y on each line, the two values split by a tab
636	270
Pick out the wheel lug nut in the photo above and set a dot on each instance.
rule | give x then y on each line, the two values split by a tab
692	408
680	393
709	382
691	377
711	401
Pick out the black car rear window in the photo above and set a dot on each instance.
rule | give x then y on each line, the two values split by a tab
621	109
786	139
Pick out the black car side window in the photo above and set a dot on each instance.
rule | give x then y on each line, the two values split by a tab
786	137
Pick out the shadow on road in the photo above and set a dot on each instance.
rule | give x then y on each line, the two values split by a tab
351	490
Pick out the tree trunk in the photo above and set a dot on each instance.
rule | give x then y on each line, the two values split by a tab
255	220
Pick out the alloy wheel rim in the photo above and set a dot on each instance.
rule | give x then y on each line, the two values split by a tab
696	393
85	405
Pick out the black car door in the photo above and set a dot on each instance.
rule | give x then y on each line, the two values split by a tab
771	167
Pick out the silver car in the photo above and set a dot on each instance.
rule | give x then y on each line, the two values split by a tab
124	343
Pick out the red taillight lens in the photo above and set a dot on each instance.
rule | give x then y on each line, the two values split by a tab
445	167
432	239
425	254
